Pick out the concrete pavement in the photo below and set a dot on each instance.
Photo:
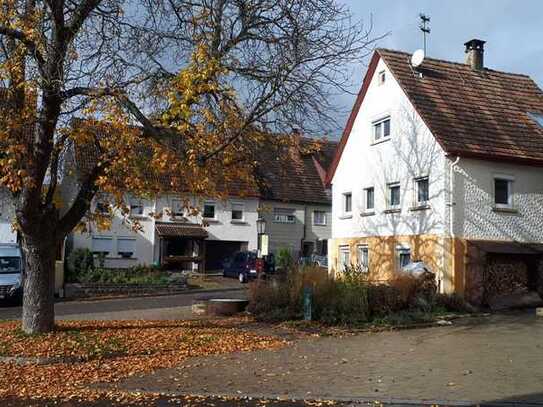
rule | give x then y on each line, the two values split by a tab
496	360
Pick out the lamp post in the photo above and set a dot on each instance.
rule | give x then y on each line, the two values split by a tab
262	251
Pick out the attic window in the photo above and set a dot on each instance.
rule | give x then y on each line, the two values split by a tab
382	77
536	117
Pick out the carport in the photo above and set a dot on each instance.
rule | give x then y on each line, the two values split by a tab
495	269
182	245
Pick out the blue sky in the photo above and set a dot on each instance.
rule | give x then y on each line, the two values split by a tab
513	30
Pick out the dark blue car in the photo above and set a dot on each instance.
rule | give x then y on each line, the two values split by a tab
242	265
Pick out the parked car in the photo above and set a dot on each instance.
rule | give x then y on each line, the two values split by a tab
242	265
11	272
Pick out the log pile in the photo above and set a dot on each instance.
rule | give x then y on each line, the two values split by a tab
504	277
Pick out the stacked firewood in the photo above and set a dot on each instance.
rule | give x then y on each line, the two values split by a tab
502	278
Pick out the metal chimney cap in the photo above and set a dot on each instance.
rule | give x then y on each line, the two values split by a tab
474	44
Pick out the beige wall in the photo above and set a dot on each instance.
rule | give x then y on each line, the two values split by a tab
436	252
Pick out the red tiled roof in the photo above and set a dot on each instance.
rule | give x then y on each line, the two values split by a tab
472	113
278	175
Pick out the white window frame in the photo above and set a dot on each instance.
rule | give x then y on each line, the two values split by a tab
102	238
391	185
381	77
417	182
510	181
136	203
182	207
324	218
119	252
284	215
401	250
366	208
360	249
380	122
214	205
341	251
344	203
239	204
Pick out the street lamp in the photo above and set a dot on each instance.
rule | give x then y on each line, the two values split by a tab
261	226
261	230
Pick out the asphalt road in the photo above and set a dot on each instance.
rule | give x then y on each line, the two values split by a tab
162	307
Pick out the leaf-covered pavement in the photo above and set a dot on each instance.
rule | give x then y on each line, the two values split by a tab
80	355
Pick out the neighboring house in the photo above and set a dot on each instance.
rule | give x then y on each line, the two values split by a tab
7	217
441	163
290	195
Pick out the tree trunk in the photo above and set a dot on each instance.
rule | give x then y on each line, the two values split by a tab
39	286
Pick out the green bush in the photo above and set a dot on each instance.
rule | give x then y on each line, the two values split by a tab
80	264
81	269
349	299
284	259
342	301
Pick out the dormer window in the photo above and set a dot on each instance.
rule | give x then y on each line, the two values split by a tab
381	129
382	77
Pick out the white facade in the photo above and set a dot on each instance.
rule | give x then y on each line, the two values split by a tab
7	217
162	209
461	193
410	153
476	215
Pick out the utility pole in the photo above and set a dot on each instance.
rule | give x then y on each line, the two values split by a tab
424	27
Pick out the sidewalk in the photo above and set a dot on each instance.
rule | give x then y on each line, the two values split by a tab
497	359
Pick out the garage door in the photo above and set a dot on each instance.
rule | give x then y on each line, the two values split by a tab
218	250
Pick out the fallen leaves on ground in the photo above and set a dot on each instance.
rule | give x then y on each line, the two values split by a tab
83	353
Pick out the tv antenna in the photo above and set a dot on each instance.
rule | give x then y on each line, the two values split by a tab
424	26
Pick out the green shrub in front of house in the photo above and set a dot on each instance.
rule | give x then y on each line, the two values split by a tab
81	268
350	299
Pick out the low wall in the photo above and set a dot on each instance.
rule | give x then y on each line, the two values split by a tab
79	290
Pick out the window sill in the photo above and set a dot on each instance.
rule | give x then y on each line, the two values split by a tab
319	224
392	210
422	207
118	258
210	220
384	140
346	216
364	214
512	211
238	222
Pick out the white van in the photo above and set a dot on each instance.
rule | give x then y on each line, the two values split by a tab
11	271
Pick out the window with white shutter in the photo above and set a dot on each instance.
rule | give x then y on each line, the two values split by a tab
102	245
126	246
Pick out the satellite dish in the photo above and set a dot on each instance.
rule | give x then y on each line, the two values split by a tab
417	58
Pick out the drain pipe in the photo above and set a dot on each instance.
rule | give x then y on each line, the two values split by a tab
451	205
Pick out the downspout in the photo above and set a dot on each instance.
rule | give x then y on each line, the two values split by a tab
452	203
304	233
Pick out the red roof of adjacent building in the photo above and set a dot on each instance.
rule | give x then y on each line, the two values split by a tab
482	114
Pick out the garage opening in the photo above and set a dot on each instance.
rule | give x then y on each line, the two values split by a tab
504	274
218	250
507	274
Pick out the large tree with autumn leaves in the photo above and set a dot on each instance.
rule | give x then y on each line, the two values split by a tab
185	88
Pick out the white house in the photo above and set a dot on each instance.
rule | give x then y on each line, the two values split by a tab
291	197
441	162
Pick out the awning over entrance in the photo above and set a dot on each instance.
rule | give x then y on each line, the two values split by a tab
189	230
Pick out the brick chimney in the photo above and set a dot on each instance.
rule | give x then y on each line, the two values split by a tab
475	52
